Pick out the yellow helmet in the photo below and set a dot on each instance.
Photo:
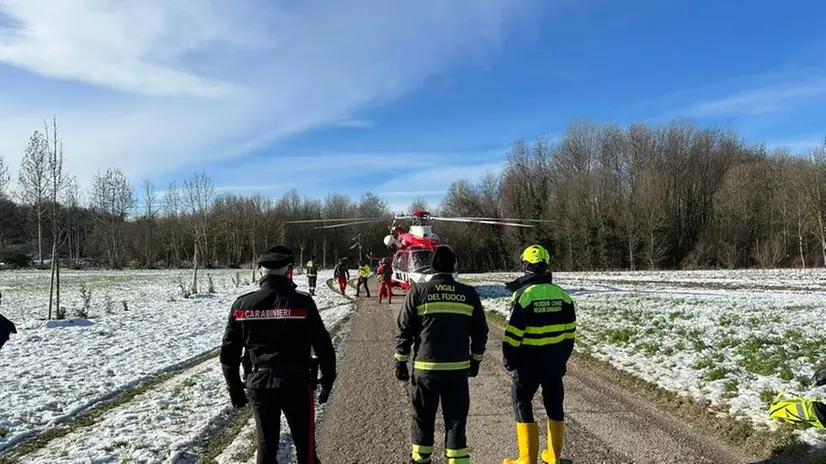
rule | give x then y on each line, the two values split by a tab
536	254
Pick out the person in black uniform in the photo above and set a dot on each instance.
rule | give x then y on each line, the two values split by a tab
443	320
278	325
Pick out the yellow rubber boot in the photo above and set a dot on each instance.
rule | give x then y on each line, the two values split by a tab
527	435
556	437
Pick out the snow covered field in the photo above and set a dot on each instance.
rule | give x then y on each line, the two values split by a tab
733	338
49	373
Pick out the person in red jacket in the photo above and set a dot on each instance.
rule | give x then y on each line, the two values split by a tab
385	275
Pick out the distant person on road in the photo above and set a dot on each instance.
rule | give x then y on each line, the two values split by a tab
443	320
278	326
385	276
6	329
538	341
342	275
312	274
364	274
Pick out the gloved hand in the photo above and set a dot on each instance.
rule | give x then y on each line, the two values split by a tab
474	368
237	396
509	365
326	386
323	395
401	371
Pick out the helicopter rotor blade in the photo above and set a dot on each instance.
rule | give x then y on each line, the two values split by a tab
310	221
481	221
333	226
504	219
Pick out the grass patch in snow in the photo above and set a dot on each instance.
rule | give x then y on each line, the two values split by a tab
216	444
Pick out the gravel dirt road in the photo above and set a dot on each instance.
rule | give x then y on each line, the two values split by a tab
367	419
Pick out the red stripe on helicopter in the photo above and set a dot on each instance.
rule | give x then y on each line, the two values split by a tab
274	313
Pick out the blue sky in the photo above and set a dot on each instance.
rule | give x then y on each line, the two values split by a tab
399	98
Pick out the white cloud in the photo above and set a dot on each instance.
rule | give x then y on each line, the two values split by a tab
355	123
154	85
136	46
759	101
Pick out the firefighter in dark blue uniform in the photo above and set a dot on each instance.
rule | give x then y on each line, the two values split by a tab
278	326
538	341
443	321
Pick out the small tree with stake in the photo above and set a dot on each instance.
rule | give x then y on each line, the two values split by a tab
57	183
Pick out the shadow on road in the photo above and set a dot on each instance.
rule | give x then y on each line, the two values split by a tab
795	454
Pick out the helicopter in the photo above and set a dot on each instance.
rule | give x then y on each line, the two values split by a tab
412	249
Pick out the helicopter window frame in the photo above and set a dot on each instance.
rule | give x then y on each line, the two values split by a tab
400	263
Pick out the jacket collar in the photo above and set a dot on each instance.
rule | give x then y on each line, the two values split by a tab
442	277
528	279
277	282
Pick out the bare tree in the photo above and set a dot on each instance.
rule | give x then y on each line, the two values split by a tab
57	183
173	209
113	199
419	204
150	214
816	196
34	183
73	220
199	193
5	180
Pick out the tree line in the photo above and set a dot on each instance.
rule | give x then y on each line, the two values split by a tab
609	198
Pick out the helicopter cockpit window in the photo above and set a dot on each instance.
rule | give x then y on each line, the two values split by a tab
419	260
400	263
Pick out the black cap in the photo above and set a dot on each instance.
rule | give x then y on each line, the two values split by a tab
276	257
443	259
